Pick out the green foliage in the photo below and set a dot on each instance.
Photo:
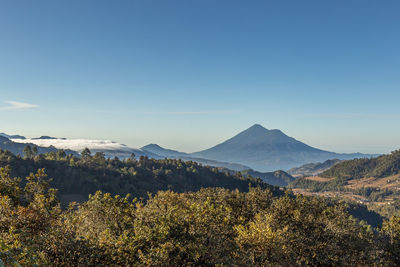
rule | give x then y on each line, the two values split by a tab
26	216
316	186
306	231
260	226
86	153
379	167
210	227
391	233
76	178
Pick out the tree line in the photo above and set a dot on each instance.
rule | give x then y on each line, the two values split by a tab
77	177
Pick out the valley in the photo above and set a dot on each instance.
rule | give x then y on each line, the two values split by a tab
374	182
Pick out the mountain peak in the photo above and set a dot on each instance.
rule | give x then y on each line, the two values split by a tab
152	146
257	127
262	149
258	134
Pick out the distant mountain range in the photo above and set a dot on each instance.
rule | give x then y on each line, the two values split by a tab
111	149
256	150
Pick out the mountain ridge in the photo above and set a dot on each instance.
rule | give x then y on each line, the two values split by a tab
277	177
311	169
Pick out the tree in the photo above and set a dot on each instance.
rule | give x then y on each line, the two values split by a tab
391	232
28	153
60	154
100	158
306	231
35	150
86	153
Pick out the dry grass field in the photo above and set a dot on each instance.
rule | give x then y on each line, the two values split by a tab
391	182
318	179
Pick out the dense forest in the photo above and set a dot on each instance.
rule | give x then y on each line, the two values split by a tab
77	177
210	227
279	178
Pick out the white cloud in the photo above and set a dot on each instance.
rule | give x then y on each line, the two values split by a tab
110	148
14	105
78	144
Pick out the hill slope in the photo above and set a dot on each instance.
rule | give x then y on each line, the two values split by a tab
382	172
313	168
76	178
156	149
268	150
278	178
374	181
174	154
382	166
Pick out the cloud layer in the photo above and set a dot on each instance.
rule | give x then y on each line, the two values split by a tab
14	105
78	144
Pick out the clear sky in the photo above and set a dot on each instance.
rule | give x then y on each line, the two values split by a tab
189	74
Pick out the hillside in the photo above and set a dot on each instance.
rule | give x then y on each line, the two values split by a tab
76	178
382	166
311	169
174	154
156	149
278	178
341	175
268	150
374	181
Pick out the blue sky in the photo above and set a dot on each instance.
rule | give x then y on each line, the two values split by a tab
189	74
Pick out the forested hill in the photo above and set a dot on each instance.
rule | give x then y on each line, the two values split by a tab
279	178
382	166
76	178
